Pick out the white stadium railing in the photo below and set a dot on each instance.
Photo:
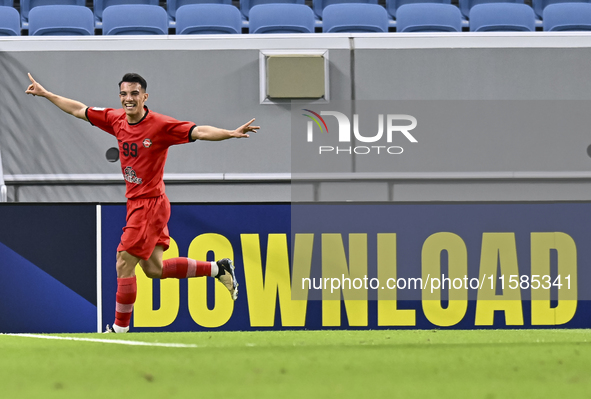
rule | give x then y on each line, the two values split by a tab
3	190
16	181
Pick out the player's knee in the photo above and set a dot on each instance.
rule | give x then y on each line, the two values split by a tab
152	273
125	264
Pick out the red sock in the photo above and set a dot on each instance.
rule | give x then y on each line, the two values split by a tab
185	268
126	294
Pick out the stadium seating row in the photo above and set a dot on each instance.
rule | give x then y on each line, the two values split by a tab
246	5
138	19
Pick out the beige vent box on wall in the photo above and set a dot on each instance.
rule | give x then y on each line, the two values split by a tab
293	76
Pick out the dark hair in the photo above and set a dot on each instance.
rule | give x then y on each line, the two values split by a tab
134	78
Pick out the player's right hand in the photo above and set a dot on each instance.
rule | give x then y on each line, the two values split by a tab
35	88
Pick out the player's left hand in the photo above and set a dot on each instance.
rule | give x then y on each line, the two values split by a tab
243	130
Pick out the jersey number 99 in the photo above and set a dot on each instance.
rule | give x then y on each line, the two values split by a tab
130	149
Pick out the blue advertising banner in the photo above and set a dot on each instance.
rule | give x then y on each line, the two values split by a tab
310	266
334	266
48	268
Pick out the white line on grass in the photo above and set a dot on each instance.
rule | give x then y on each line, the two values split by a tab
107	341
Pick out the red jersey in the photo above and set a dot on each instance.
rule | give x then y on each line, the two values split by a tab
143	146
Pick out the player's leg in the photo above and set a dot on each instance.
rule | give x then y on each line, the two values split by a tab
180	268
155	267
137	242
126	290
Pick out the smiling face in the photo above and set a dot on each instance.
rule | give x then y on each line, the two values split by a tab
132	98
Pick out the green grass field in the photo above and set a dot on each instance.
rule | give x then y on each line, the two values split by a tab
302	364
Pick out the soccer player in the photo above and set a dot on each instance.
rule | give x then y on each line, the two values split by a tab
144	137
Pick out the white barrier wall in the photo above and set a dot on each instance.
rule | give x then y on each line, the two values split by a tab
215	80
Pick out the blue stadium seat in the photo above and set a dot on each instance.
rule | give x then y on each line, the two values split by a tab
6	3
502	17
392	5
353	17
567	17
246	5
540	5
428	17
10	21
100	6
61	20
199	19
466	5
135	19
281	18
28	5
173	5
319	5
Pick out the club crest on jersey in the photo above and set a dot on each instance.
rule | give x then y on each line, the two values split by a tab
147	143
130	175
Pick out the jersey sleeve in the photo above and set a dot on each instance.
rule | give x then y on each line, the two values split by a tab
101	118
178	132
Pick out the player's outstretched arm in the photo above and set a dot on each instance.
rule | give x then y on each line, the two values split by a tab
212	133
72	107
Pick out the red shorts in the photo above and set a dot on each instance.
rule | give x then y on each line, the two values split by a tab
146	226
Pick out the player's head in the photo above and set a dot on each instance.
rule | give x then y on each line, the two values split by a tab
132	94
134	78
